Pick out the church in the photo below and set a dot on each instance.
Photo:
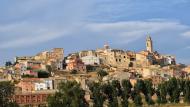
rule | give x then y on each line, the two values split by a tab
150	57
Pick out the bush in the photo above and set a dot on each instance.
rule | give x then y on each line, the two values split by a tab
43	74
73	71
27	76
29	68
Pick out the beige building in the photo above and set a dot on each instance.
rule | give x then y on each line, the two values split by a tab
149	44
150	57
76	64
24	58
119	59
126	59
87	53
91	60
54	57
144	58
43	56
187	69
168	60
39	61
89	57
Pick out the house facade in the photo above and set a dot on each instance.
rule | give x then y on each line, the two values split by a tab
76	64
91	60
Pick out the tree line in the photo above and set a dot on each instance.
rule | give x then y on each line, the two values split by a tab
113	93
122	94
7	90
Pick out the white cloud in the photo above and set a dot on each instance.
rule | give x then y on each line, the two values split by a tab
48	20
129	31
138	25
66	17
25	34
186	34
30	23
32	40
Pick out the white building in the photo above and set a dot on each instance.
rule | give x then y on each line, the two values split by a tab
169	60
91	60
45	85
40	86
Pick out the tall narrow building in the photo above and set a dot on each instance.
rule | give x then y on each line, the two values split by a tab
149	44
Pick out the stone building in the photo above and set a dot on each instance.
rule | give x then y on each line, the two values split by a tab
150	57
26	85
35	84
75	63
43	56
168	60
102	56
144	58
25	66
89	57
91	60
87	53
187	69
117	58
149	44
54	57
24	58
32	99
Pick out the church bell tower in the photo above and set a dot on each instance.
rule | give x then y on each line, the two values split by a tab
149	45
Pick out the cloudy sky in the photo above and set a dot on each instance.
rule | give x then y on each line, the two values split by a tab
30	26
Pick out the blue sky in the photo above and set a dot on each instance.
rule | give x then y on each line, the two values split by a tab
31	26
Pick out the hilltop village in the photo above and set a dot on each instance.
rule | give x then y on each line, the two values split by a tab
36	77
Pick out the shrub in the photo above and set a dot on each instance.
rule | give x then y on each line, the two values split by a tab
74	71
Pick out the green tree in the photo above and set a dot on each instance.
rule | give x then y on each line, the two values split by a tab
43	74
8	64
27	76
187	91
101	73
149	92
49	68
140	87
74	71
90	68
111	94
12	104
181	83
6	92
138	100
173	90
97	94
161	93
29	68
117	86
126	93
69	95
